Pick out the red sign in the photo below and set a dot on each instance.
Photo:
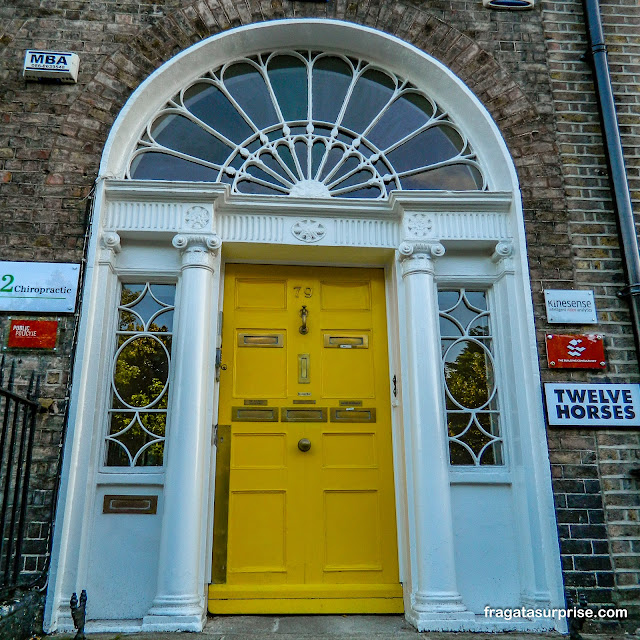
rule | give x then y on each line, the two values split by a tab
33	334
575	351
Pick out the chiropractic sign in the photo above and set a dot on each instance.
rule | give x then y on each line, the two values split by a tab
592	405
48	287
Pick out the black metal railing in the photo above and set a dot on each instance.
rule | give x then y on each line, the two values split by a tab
18	426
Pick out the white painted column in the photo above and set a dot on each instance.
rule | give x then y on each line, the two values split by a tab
436	604
179	601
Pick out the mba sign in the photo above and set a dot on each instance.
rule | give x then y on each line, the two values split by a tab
593	405
51	64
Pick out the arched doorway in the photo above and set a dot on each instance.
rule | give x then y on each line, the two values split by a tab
318	144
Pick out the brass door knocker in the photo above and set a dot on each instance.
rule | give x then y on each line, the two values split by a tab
303	314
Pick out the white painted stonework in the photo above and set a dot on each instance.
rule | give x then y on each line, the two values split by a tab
468	536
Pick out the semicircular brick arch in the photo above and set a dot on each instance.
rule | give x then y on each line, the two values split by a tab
530	141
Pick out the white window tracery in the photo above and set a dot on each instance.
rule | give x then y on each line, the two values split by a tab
471	394
140	376
306	124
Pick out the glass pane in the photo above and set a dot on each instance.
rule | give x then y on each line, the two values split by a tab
156	299
154	165
211	105
405	115
458	455
180	134
247	86
458	422
476	299
447	299
301	153
333	157
454	177
434	145
372	91
449	328
135	438
331	79
317	154
260	174
359	177
479	327
463	314
163	322
288	77
469	374
245	186
475	439
366	192
141	371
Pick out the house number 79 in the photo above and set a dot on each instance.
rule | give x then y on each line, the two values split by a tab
307	291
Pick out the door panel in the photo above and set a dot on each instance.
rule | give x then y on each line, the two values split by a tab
308	530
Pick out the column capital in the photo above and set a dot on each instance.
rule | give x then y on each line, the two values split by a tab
109	247
198	249
502	251
418	257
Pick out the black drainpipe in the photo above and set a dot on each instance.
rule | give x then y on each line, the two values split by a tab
615	160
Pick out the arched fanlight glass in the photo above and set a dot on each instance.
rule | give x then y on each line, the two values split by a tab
306	124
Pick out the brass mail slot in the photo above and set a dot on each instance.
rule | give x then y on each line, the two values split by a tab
346	342
353	415
273	340
303	415
130	504
253	414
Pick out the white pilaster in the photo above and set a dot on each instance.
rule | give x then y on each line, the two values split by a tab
436	604
179	602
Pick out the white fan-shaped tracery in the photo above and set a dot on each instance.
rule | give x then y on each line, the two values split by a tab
306	124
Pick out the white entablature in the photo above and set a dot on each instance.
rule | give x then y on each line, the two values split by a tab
463	217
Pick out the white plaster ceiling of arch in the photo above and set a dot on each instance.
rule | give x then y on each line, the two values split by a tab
387	51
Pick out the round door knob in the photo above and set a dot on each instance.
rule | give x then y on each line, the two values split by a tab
304	444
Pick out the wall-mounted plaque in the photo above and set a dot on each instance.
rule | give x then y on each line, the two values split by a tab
570	307
32	334
592	405
584	351
48	287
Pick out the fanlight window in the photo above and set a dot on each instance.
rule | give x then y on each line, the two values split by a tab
306	124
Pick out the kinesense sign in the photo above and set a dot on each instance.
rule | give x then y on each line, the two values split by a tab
48	287
593	405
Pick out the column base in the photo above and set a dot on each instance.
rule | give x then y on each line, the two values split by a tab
175	614
445	612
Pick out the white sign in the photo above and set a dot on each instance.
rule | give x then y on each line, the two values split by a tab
592	405
62	65
48	287
570	307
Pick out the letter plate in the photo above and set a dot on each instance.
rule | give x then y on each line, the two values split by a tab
130	504
351	414
253	414
346	342
304	415
272	340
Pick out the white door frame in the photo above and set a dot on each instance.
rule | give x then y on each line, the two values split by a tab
182	232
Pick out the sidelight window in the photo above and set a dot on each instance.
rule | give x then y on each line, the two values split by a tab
471	394
140	376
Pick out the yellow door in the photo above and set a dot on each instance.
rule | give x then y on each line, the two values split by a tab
305	515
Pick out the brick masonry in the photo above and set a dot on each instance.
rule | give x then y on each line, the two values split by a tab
526	67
